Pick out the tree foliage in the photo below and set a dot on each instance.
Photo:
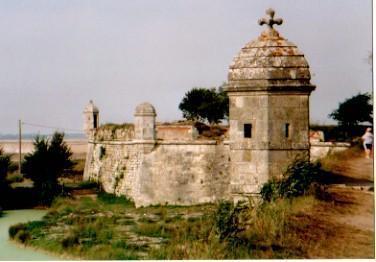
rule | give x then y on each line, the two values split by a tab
5	167
354	110
49	160
203	104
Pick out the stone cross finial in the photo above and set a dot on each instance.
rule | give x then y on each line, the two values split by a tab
270	21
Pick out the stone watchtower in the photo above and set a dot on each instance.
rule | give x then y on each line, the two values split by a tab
268	88
144	126
91	118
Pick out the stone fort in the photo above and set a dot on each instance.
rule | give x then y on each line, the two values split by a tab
153	163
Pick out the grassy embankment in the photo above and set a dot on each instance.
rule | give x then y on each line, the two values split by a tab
107	227
111	228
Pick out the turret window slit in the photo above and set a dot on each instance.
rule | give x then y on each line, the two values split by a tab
287	130
247	130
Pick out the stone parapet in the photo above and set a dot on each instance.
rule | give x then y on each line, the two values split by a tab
322	149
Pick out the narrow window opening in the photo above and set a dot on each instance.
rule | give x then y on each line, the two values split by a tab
95	121
247	130
287	130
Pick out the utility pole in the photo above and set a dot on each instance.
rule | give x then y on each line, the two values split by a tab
19	146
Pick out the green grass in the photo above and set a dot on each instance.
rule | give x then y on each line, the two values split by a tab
109	228
111	199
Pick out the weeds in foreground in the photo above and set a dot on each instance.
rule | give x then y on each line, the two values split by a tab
92	229
298	180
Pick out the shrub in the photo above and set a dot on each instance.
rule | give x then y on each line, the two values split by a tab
49	160
13	230
299	177
5	167
297	181
35	225
22	236
227	221
270	190
69	241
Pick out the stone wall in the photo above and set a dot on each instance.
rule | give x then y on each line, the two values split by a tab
113	132
174	172
176	132
321	149
185	172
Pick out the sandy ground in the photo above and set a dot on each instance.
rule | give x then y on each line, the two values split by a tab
78	146
349	218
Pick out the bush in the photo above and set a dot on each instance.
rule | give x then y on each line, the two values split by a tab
19	232
228	218
13	230
5	167
69	241
22	236
49	160
35	225
296	181
299	177
270	191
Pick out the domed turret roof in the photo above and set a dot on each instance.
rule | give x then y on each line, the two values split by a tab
91	107
145	109
269	61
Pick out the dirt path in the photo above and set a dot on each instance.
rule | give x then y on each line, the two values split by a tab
350	215
355	171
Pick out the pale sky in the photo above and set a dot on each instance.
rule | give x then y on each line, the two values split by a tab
56	55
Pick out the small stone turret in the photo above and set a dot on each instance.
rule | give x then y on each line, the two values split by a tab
144	125
91	118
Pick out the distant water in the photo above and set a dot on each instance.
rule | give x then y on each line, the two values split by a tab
31	136
10	251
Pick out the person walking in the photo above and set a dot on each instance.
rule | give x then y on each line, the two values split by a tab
368	141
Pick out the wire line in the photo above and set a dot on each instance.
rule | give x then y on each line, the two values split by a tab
51	127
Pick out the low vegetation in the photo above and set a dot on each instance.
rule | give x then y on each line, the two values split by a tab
291	220
109	227
112	228
301	178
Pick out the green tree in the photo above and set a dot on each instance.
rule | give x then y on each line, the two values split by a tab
354	111
49	160
5	167
203	104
